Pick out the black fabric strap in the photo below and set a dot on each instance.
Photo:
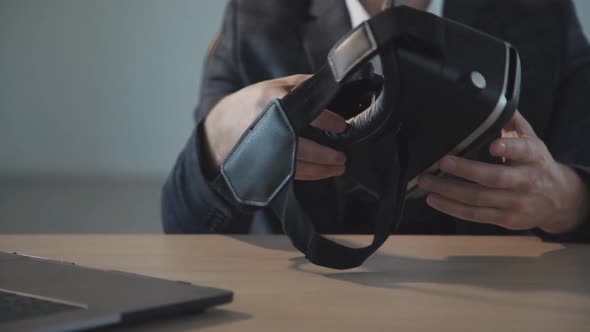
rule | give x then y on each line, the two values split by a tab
322	251
302	105
309	99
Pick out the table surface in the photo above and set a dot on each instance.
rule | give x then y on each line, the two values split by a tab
414	283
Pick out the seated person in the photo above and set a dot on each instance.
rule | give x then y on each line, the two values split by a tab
264	46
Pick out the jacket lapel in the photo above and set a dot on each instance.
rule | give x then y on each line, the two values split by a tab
329	22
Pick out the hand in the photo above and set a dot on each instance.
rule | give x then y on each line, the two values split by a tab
530	190
230	118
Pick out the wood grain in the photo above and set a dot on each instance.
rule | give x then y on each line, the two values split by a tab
413	284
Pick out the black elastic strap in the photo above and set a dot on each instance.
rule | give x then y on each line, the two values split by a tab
322	251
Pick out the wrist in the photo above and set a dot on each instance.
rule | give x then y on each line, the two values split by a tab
209	160
575	208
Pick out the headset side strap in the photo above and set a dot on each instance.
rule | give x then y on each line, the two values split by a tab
262	162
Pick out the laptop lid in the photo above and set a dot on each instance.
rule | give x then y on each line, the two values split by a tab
43	295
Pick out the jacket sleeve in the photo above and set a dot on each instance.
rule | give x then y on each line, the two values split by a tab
189	205
569	140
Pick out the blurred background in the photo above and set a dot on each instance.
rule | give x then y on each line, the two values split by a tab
96	100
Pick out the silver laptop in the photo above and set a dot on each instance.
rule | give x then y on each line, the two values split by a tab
42	295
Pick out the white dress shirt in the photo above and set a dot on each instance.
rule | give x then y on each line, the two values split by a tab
358	14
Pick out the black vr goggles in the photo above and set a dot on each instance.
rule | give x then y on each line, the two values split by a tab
445	89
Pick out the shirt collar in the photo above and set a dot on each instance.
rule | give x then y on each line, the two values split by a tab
358	14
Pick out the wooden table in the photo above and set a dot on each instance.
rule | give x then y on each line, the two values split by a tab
412	284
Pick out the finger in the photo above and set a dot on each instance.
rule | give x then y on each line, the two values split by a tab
468	193
279	87
312	172
519	125
520	150
523	126
313	152
510	126
330	121
290	82
470	213
489	175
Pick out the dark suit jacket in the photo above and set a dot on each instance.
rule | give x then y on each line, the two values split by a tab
261	40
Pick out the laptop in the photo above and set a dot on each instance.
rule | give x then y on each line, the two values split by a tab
37	294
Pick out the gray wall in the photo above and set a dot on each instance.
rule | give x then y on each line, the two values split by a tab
99	87
103	87
583	7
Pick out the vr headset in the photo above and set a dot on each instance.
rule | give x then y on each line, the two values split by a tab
445	89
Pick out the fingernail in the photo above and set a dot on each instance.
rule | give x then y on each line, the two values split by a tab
448	163
499	149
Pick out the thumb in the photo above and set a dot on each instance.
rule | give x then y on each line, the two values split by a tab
518	126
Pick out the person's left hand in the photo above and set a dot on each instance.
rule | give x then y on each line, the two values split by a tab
529	190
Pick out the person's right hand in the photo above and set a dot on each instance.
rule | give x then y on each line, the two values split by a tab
230	118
